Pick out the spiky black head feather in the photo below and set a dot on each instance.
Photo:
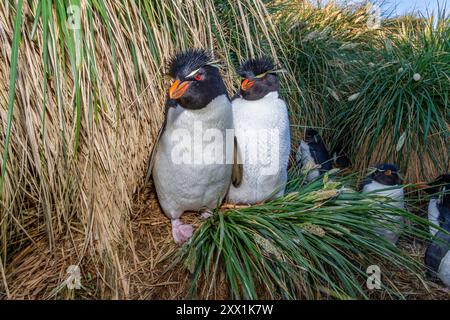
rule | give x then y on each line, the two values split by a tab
386	166
187	61
197	76
254	67
259	78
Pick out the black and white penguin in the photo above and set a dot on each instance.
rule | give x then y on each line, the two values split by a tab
437	256
439	205
184	175
262	130
386	182
312	153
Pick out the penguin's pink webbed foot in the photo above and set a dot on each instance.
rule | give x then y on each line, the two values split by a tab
181	232
206	215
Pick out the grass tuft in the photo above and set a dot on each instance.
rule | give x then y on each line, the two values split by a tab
314	243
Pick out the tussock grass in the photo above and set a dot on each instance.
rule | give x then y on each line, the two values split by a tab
402	111
323	44
316	242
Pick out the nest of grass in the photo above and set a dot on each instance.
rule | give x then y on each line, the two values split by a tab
173	280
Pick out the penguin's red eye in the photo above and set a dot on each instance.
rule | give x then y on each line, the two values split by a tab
198	77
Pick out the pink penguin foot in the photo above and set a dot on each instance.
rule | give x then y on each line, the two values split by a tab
181	232
206	215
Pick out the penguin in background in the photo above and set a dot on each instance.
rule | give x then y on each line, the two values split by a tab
386	176
184	181
439	205
312	153
262	131
437	256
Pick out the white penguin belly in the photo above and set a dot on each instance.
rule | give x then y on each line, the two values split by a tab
444	270
263	136
397	195
185	175
433	215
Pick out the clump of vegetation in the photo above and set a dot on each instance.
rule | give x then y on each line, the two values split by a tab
322	43
399	110
316	242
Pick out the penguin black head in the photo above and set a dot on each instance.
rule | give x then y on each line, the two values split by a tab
197	80
386	174
440	186
259	78
311	136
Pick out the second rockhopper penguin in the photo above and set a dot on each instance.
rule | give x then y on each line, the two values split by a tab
262	131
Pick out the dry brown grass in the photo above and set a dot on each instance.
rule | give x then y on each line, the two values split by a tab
64	206
419	165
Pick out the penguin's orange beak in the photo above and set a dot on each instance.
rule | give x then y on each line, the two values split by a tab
246	84
388	173
177	89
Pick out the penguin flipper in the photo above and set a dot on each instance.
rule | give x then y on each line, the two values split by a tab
151	159
238	168
236	96
321	156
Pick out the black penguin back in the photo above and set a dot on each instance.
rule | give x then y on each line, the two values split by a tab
437	251
444	215
320	155
318	150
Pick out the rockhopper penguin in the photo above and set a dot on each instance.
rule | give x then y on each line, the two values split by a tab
439	205
312	155
437	256
189	162
385	181
262	130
